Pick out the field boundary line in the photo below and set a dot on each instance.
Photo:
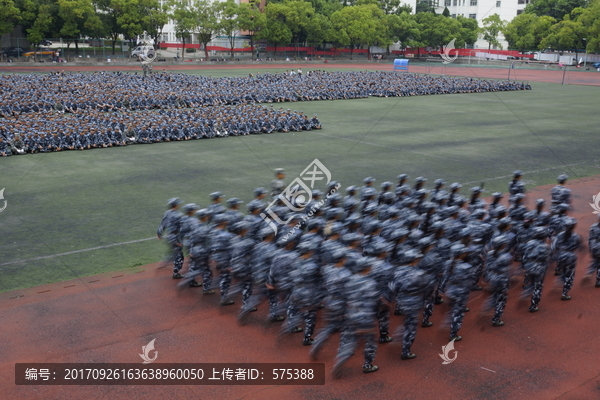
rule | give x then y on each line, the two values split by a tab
76	251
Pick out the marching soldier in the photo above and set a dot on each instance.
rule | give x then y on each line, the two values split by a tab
171	226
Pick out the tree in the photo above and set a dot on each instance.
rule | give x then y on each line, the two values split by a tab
424	6
184	18
110	11
10	15
492	27
319	30
566	34
207	18
155	17
276	32
526	31
78	17
251	20
590	19
469	29
296	15
229	22
438	31
401	28
41	25
446	12
556	9
361	24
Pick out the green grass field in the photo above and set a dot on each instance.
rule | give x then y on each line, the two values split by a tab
69	201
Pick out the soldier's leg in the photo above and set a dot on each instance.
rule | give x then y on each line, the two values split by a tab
224	285
538	285
370	351
333	325
274	305
246	291
207	276
428	310
383	316
440	289
348	343
569	277
597	266
310	320
458	313
478	273
177	259
410	332
500	303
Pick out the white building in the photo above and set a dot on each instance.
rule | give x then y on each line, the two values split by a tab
481	9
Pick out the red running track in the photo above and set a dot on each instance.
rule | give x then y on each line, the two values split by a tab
108	318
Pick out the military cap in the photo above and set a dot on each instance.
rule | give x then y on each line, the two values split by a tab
388	196
479	213
402	177
497	195
422	192
253	205
425	242
529	215
259	191
439	182
279	171
392	212
379	247
370	208
506	221
370	192
398	233
518	197
239	226
476	189
562	207
371	227
219	219
361	265
331	185
317	193
540	202
175	201
267	231
465	232
190	207
306	247
562	178
336	228
570	222
459	249
338	255
351	237
452	210
420	179
315	223
438	225
539	232
368	179
518	173
351	190
455	185
234	201
386	185
216	195
411	256
500	240
202	213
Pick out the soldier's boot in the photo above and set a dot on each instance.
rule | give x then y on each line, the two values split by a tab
384	337
369	368
308	341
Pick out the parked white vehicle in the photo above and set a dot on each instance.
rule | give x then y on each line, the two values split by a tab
143	52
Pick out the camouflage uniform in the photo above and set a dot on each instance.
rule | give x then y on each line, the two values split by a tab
564	246
497	274
536	255
199	249
560	194
363	297
220	254
594	246
460	280
171	225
